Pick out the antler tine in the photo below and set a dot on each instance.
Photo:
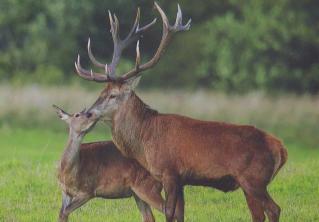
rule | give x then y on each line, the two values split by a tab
92	58
136	31
145	27
179	16
135	25
114	23
178	26
89	75
167	34
120	45
138	56
117	26
114	26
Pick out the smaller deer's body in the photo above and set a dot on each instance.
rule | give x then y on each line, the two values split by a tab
98	169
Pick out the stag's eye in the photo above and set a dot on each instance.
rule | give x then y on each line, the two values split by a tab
77	115
112	96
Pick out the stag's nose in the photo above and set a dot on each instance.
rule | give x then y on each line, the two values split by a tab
88	114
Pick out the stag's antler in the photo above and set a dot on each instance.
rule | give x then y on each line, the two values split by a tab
168	32
120	45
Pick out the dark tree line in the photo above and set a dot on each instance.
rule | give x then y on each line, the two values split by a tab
232	45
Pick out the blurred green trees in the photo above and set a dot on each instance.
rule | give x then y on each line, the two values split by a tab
232	45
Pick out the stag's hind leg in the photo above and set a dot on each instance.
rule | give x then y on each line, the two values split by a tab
271	208
256	208
258	191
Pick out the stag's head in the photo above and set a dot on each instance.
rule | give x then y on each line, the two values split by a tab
79	123
119	88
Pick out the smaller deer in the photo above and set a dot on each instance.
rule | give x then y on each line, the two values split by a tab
98	169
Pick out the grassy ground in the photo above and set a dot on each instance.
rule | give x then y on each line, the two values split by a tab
29	190
32	140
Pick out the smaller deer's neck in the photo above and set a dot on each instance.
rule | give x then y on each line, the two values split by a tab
129	125
70	158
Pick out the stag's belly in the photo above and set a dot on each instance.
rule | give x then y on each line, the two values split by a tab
226	183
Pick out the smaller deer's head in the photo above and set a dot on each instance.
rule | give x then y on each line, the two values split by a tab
119	88
79	123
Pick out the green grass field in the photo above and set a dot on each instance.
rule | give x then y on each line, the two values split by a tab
29	190
32	140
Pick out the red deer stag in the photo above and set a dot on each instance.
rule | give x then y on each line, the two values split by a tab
178	150
98	169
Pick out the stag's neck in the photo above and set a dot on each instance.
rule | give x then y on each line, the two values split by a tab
70	158
130	125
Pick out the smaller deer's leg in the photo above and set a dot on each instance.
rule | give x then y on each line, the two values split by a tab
150	192
179	211
71	205
66	200
171	188
144	209
256	208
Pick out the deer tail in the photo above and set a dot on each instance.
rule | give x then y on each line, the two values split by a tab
280	156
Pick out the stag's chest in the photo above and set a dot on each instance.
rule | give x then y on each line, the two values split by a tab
120	145
123	142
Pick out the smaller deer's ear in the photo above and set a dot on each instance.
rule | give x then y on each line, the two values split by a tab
133	82
61	113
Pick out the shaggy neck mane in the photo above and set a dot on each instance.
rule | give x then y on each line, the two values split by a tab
130	126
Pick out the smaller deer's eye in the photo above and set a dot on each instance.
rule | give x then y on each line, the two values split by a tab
112	96
77	115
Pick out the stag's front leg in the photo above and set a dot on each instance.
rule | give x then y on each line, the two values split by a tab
180	205
171	188
70	204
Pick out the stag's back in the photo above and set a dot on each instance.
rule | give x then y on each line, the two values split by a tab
210	148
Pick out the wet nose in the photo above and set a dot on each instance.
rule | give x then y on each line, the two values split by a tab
88	114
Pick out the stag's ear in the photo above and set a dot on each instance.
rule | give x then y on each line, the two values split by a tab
132	83
62	114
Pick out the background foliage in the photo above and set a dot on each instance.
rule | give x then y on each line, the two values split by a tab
232	46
